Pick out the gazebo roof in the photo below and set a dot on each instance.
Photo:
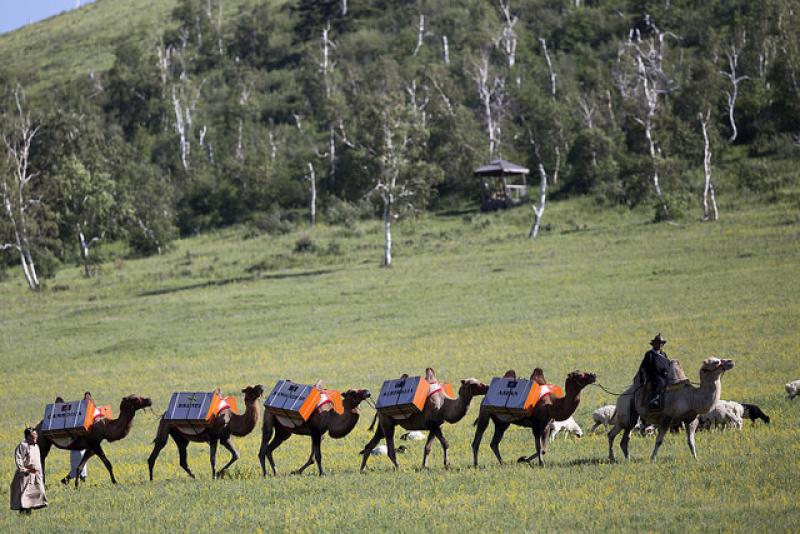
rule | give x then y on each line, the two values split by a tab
500	167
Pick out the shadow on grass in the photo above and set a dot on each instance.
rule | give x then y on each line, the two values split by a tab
233	280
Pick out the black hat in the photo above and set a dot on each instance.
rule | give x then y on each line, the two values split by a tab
658	340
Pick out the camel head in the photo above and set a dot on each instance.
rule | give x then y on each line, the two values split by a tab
712	368
131	403
252	393
580	379
354	397
473	386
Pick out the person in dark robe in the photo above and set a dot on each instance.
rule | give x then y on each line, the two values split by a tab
27	486
655	369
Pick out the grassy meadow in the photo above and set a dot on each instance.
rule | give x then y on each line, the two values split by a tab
468	295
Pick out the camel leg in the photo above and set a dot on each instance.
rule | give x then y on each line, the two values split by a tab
182	444
365	452
308	462
427	450
388	434
529	459
98	450
499	429
662	431
226	442
266	434
316	448
84	459
437	431
212	453
691	428
162	435
481	423
623	443
611	437
281	435
44	450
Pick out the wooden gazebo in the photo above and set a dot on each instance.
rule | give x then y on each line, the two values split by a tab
503	185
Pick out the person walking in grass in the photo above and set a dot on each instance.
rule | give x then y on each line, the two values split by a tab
654	370
27	486
75	457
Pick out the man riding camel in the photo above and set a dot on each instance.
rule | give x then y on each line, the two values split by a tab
654	369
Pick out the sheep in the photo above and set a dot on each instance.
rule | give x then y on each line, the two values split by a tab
382	450
569	426
644	430
753	412
724	413
603	416
793	389
414	435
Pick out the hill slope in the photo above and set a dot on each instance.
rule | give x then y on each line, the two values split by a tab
69	45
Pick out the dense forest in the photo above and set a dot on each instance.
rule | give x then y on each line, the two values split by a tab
276	114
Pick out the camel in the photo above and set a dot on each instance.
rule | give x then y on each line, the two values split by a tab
225	425
546	410
102	429
334	424
438	409
681	407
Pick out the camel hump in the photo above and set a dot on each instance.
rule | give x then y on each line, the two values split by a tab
430	375
676	374
538	377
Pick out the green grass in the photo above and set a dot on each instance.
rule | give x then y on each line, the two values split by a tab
468	295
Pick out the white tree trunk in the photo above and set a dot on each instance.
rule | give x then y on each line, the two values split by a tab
13	194
446	50
538	212
420	34
708	189
387	230
733	62
549	68
312	208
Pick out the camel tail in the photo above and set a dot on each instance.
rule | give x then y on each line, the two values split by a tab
372	425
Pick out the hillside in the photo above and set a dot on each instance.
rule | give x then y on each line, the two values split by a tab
202	114
68	46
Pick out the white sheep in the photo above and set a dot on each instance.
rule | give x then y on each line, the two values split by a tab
793	389
603	416
414	435
569	426
724	413
644	430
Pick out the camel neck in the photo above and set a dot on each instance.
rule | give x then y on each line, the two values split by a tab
564	407
243	424
341	425
120	427
453	410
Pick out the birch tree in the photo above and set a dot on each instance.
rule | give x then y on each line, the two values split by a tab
15	189
708	187
732	55
86	200
645	90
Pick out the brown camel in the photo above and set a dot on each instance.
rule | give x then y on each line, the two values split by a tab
548	409
225	425
438	409
681	407
101	429
334	424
